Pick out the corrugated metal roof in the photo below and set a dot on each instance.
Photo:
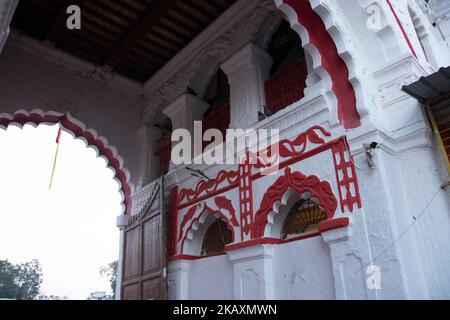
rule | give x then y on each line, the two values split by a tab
430	87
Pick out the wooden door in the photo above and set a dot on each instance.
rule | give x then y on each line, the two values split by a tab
144	255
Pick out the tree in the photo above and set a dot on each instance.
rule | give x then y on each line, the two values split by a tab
22	281
110	272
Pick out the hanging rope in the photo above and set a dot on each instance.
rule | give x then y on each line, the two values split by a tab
58	139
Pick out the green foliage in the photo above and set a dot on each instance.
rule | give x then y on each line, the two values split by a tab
21	281
110	272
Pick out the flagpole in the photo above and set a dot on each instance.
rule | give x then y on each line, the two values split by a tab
58	137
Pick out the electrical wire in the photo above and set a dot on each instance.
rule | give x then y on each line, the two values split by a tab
415	219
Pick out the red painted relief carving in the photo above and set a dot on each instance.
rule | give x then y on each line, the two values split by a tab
223	203
246	198
187	217
289	148
206	187
231	223
292	148
253	225
321	190
346	177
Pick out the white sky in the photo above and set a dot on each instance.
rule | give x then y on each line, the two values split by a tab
70	229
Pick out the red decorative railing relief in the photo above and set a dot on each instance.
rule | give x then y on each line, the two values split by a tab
286	87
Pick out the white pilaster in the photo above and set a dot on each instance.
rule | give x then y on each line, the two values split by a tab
150	160
247	70
349	274
178	280
121	222
337	240
183	112
253	272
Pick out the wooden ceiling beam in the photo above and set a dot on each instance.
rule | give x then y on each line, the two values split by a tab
150	18
181	24
169	46
189	17
163	38
59	24
199	9
214	5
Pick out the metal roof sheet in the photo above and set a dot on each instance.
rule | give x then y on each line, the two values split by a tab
430	87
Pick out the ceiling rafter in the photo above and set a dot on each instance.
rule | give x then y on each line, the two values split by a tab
150	18
214	5
199	9
185	15
136	37
180	24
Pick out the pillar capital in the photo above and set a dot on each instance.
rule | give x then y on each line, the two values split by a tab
253	272
122	221
247	70
249	56
186	109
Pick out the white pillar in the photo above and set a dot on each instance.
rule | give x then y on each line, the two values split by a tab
150	159
247	70
178	280
346	260
122	222
183	112
252	272
7	8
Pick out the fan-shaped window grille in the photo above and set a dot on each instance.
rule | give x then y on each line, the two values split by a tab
304	217
216	238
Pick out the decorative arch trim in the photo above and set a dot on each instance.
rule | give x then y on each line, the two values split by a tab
78	130
331	62
206	209
320	190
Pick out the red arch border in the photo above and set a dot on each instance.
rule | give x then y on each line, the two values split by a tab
115	162
321	190
330	61
210	211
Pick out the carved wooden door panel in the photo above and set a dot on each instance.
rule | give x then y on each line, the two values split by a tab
144	257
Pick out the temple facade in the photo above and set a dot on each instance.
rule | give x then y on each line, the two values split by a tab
358	206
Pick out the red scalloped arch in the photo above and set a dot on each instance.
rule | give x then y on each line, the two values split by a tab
210	211
321	190
331	61
37	117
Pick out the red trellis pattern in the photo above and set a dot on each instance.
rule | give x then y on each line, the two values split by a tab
347	180
286	87
245	198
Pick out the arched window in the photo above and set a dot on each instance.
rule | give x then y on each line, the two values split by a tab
303	218
288	72
216	238
218	97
